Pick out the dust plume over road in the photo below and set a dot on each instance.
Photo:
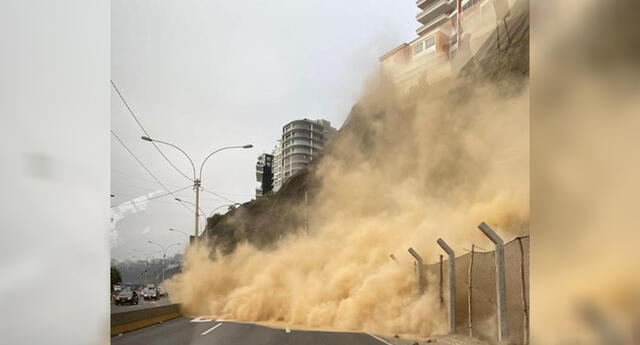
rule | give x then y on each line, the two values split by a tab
404	170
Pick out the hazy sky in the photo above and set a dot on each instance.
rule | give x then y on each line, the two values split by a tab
208	74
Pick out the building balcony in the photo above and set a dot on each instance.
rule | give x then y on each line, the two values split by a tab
422	4
297	142
441	19
298	124
298	150
296	157
434	10
316	131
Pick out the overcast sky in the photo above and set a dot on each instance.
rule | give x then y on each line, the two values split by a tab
207	74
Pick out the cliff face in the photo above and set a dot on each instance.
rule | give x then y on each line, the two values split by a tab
264	221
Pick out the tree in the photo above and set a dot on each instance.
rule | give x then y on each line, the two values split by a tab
116	278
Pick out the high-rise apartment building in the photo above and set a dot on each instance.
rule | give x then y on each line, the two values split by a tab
445	27
301	141
277	166
264	174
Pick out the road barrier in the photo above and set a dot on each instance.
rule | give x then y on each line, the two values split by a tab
128	321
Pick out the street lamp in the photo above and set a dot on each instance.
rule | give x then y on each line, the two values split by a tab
190	203
146	260
196	179
164	252
202	213
182	232
147	254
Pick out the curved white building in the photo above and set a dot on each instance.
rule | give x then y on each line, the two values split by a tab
301	141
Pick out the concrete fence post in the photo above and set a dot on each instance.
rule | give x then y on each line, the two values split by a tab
523	286
419	270
500	281
470	291
452	284
441	293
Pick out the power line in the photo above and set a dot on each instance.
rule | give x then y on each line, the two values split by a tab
152	198
130	176
170	185
219	196
147	133
145	168
116	184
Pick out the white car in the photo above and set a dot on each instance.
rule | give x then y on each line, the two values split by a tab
151	294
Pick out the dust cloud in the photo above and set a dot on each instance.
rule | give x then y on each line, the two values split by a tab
404	170
586	173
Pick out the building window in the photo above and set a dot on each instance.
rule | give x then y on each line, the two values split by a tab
417	49
469	4
429	42
424	45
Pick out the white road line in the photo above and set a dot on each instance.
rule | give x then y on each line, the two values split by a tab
200	319
211	329
378	338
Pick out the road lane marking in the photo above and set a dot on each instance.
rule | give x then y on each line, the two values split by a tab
378	338
211	329
200	319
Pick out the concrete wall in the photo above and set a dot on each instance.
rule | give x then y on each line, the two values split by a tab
484	291
142	314
128	321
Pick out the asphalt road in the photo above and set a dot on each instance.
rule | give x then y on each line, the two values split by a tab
142	304
188	331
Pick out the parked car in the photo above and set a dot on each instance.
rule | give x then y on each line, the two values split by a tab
126	296
151	293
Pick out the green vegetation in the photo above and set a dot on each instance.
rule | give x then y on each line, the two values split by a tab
116	278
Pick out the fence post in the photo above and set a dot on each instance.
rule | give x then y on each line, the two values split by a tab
441	293
500	281
419	270
452	284
470	293
525	308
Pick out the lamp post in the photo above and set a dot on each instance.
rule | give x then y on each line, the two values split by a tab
164	252
196	178
202	213
182	232
146	260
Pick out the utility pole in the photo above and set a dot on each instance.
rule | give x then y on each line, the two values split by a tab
196	184
196	178
164	256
